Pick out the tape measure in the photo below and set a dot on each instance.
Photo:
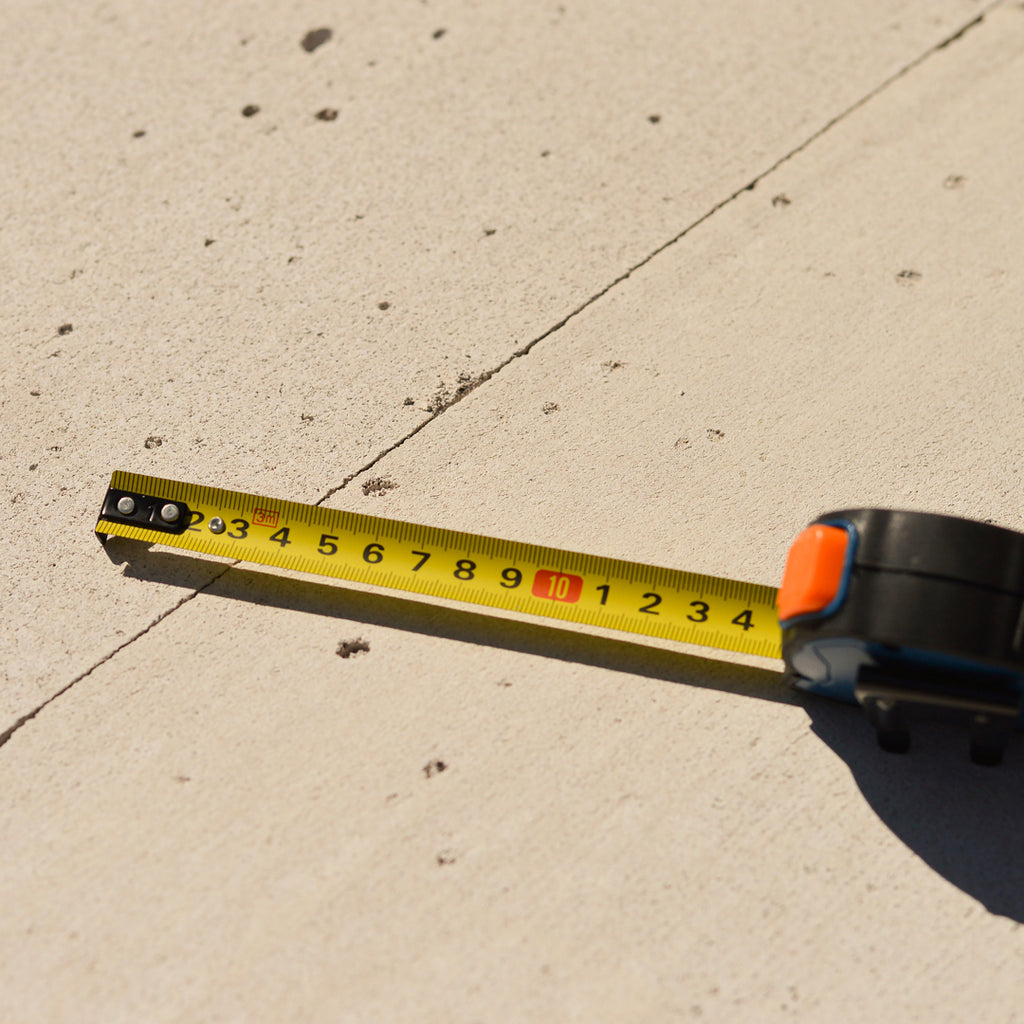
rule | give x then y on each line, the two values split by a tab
627	596
909	613
901	612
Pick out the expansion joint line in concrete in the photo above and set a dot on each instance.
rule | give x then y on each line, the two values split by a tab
8	733
467	387
717	207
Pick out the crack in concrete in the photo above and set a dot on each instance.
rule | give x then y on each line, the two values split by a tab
716	208
469	387
8	733
967	28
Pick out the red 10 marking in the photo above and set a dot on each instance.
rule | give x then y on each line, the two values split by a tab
557	586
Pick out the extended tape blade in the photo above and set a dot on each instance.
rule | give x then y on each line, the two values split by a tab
629	596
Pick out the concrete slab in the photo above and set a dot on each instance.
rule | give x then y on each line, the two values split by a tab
207	290
246	843
847	333
477	819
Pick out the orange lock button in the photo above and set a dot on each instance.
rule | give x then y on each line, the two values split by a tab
814	571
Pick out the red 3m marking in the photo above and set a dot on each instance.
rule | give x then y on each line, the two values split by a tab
264	517
557	586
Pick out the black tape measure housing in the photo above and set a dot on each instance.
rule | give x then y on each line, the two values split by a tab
927	614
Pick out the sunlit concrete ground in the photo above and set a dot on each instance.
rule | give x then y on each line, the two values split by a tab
661	282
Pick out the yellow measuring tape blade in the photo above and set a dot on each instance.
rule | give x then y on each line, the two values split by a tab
628	596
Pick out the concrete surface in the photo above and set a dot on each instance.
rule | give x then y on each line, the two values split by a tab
207	814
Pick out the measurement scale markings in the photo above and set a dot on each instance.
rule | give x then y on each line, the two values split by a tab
567	585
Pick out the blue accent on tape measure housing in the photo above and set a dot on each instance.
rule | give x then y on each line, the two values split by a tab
829	667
